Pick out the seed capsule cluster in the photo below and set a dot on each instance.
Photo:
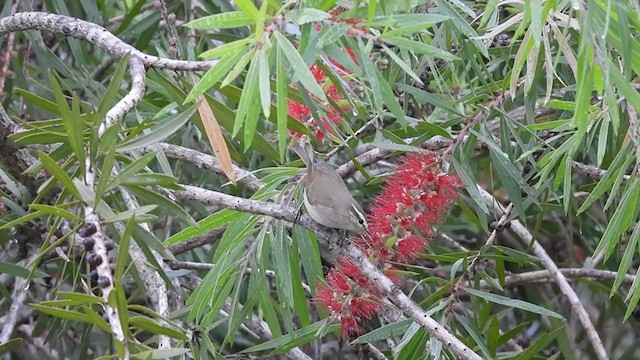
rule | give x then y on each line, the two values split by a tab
93	258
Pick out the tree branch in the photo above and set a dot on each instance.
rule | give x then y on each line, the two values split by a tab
95	34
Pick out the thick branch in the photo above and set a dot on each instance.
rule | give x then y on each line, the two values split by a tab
95	34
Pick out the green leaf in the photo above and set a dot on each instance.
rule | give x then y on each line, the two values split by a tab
10	345
55	211
161	353
62	313
264	82
280	256
309	256
213	75
615	170
248	7
425	20
390	100
627	258
209	223
439	101
145	323
227	49
59	174
131	169
18	271
281	98
246	112
518	304
160	131
540	344
227	20
306	15
291	340
123	250
403	65
470	184
109	97
300	69
131	214
384	332
81	298
42	103
621	219
420	48
96	319
73	124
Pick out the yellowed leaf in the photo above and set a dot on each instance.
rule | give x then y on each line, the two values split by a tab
216	139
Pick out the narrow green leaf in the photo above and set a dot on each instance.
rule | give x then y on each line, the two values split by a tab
228	49
390	99
227	20
160	131
213	75
249	93
109	97
281	96
420	48
289	341
264	82
73	124
131	214
621	219
518	304
132	168
384	332
627	258
61	313
55	210
540	344
616	169
145	323
306	15
300	69
59	174
81	298
280	255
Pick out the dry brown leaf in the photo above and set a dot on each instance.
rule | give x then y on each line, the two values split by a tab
216	139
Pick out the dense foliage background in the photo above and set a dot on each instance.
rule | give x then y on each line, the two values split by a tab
148	206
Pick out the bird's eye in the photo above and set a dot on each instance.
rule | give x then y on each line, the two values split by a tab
361	221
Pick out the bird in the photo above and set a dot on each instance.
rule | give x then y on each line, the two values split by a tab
326	196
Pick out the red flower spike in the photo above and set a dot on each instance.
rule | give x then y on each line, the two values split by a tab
349	326
364	307
337	282
329	299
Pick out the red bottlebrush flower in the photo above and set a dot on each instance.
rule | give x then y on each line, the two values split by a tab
410	247
415	198
298	111
329	298
336	281
349	326
364	307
